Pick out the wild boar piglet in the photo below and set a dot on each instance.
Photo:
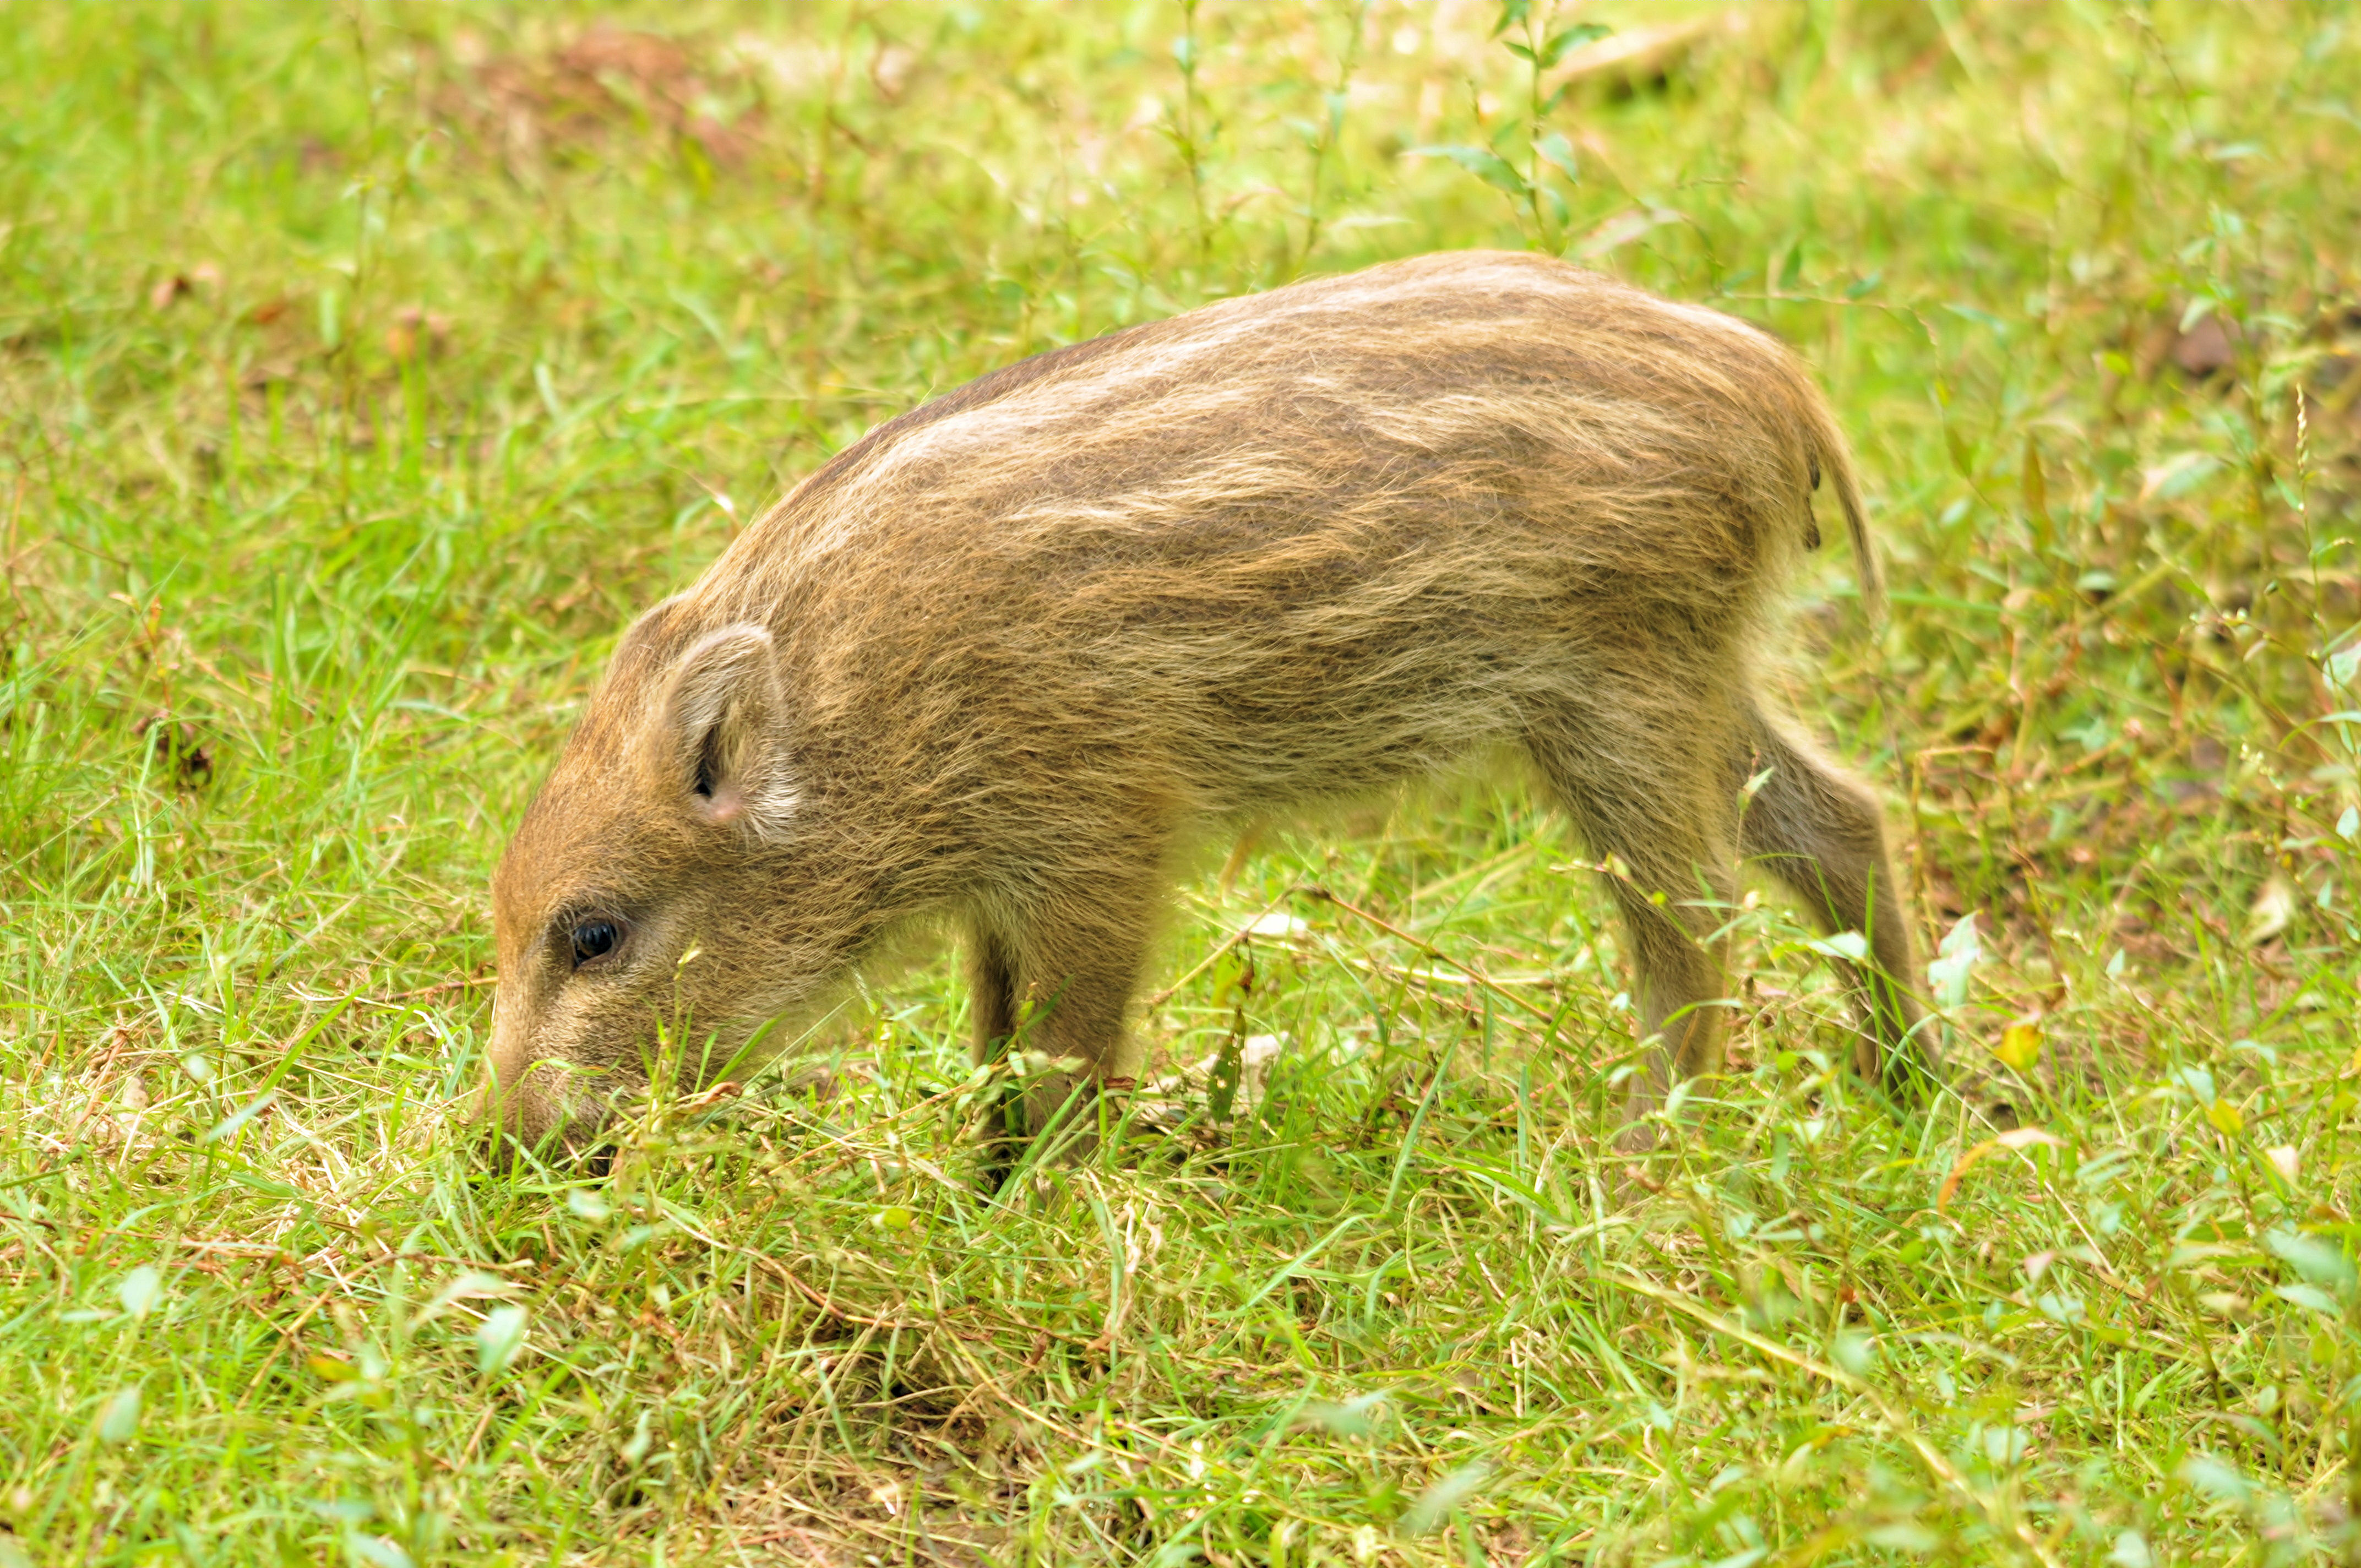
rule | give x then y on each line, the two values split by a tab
1000	664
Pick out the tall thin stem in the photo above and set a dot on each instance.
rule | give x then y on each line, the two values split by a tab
1332	125
1185	54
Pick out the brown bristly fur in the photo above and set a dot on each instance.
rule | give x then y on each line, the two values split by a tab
1004	660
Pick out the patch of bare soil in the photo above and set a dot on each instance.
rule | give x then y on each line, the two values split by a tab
604	81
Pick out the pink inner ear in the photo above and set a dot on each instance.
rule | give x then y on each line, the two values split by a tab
727	803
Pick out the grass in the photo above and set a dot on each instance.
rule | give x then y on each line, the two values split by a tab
363	370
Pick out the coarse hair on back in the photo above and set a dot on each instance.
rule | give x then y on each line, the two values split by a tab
1615	390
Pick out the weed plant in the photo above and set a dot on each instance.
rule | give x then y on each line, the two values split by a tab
364	368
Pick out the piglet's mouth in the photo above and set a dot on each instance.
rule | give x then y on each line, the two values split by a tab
577	1145
504	1152
541	1119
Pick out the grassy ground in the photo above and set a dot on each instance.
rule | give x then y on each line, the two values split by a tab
363	369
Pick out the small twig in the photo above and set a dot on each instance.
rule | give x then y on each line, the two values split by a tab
818	1298
1232	940
1430	950
287	1341
435	988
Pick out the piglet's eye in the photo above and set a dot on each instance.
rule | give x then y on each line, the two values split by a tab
594	939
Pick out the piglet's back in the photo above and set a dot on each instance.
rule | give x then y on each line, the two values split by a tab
1401	494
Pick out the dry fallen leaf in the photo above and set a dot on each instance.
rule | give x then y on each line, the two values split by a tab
2015	1138
2272	910
2020	1044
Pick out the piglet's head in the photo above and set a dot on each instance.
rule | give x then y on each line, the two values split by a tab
630	909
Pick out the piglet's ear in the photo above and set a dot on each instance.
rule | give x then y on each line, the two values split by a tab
724	734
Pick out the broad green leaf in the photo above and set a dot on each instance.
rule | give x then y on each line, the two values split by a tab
1558	153
2272	912
2216	1477
1481	161
1572	37
377	1551
1902	1535
2317	1261
2177	476
1849	946
2036	486
118	1421
1963	461
139	1290
1354	1418
2311	1296
1435	1505
1622	228
469	1284
498	1337
229	1126
1957	957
